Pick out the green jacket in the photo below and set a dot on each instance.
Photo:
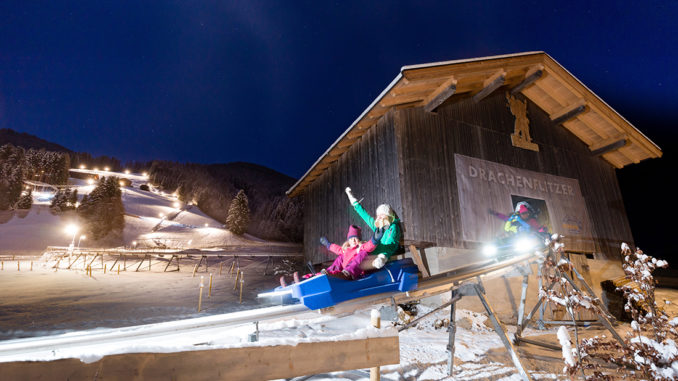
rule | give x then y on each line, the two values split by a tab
390	242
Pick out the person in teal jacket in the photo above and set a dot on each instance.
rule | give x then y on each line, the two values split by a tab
390	242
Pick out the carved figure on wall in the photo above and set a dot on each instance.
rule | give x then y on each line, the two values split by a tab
521	134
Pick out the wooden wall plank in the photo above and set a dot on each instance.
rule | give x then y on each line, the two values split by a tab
370	168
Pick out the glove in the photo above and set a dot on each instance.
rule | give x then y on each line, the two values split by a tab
347	274
378	235
380	261
351	198
325	242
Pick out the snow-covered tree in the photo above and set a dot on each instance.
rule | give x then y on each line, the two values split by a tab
238	214
103	210
25	201
11	175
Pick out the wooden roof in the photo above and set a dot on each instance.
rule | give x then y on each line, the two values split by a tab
534	74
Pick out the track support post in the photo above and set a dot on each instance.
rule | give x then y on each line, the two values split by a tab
523	299
501	332
452	333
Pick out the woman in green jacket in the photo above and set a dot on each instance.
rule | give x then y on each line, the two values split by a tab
390	242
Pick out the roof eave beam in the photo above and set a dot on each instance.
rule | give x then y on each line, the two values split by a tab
493	83
568	112
531	77
440	95
609	148
608	145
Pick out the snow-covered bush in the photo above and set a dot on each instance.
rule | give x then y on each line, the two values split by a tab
25	201
65	199
649	348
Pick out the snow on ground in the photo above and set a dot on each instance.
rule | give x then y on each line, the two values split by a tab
44	302
31	231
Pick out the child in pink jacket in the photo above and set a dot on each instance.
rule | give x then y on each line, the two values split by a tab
351	253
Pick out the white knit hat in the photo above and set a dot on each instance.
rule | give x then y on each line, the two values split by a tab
386	210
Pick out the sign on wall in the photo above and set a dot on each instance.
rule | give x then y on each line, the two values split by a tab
488	190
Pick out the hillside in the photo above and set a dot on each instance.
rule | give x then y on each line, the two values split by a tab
211	186
273	216
152	219
22	139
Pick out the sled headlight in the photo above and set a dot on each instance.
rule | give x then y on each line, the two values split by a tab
489	250
524	245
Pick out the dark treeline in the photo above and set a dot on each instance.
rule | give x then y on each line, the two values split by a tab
18	164
28	141
273	215
83	158
138	166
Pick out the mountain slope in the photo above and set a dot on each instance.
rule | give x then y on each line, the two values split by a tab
273	216
22	139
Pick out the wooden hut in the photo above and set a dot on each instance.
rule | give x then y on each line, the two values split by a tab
447	143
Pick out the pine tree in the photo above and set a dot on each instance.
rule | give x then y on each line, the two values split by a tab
103	210
25	201
238	214
11	175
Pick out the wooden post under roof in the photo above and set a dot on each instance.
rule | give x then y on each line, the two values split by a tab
568	112
532	75
493	83
440	95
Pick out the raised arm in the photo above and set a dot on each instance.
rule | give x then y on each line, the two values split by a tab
369	220
336	249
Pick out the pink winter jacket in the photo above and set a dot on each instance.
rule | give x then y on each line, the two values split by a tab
351	252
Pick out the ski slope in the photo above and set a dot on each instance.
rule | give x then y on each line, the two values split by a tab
152	218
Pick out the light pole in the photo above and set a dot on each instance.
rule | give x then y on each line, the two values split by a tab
80	239
72	229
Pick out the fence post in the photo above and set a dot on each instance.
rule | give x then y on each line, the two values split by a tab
202	285
375	319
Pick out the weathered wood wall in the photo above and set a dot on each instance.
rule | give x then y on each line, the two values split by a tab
370	168
427	143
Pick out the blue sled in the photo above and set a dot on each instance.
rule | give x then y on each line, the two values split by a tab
324	291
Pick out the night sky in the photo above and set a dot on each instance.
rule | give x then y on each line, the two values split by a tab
276	82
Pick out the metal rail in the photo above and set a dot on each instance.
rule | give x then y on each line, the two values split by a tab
12	350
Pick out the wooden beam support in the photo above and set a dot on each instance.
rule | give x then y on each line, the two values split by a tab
347	142
245	363
440	95
531	77
568	112
606	142
419	261
493	83
418	86
393	100
613	146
